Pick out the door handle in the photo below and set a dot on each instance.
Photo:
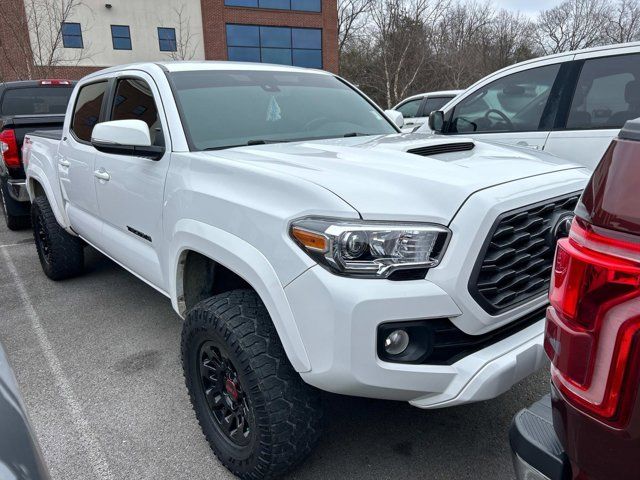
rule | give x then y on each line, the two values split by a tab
102	174
63	162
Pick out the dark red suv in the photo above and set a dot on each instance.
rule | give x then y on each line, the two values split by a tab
589	427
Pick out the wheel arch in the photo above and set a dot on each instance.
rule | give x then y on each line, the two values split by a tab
38	184
195	244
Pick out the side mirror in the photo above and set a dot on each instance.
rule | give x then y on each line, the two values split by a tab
396	117
125	137
436	121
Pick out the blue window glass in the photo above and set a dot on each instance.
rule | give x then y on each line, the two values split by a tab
307	38
278	4
121	37
281	56
167	39
307	58
241	3
243	36
275	37
306	5
281	45
71	35
244	54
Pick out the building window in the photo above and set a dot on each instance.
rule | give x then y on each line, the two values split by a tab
121	37
302	5
301	47
71	35
167	39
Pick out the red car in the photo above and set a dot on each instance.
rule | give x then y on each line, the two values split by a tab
589	427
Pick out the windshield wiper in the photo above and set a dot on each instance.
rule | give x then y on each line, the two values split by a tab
265	142
356	134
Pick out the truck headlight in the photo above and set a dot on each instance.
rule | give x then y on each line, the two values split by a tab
370	249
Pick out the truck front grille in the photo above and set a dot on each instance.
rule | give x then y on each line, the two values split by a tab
515	262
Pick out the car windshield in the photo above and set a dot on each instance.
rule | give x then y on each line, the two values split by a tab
223	109
36	101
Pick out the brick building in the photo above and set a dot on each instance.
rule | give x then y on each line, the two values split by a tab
99	33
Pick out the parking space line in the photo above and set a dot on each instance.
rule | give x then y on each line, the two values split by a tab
96	456
15	244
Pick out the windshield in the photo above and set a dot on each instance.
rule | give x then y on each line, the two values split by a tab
36	101
222	109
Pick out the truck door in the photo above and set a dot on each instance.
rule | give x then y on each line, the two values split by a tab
76	157
130	189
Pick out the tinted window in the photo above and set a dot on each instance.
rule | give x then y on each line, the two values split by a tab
306	5
410	108
167	39
303	5
87	110
282	45
121	37
71	35
134	101
279	4
514	103
435	103
607	94
270	106
35	100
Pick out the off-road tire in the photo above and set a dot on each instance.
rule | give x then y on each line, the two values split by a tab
61	254
286	412
13	222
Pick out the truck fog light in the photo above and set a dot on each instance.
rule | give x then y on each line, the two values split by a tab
397	342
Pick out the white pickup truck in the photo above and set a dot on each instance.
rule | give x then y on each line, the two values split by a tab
305	241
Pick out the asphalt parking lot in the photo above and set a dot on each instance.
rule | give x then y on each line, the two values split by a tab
97	359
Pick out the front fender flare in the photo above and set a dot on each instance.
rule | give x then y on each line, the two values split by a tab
249	263
37	174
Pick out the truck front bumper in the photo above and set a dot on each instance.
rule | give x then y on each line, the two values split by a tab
537	452
338	322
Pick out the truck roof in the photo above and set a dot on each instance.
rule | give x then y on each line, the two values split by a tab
187	66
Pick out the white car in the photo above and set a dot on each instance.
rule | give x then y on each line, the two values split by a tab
305	241
416	109
571	104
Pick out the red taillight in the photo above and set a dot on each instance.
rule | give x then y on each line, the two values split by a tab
593	323
9	148
55	82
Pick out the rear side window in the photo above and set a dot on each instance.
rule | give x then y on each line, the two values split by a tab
87	110
134	101
435	103
35	101
515	103
607	93
410	108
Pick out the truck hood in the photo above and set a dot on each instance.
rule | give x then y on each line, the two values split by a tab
382	180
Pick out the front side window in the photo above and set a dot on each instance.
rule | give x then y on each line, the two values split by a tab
134	101
265	107
71	35
301	47
410	109
515	103
86	112
300	5
607	93
167	39
435	103
121	37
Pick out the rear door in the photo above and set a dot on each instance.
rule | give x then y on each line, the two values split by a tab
607	94
517	108
429	104
131	199
76	157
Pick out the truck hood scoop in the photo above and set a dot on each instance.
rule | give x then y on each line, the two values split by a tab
383	177
438	149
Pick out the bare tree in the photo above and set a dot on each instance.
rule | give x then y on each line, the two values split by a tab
35	49
352	15
572	25
186	40
624	22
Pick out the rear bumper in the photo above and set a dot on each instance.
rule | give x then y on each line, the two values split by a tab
537	452
18	190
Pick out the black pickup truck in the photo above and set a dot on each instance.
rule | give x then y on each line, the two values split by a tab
25	106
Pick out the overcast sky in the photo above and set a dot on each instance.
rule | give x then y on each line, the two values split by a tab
529	7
